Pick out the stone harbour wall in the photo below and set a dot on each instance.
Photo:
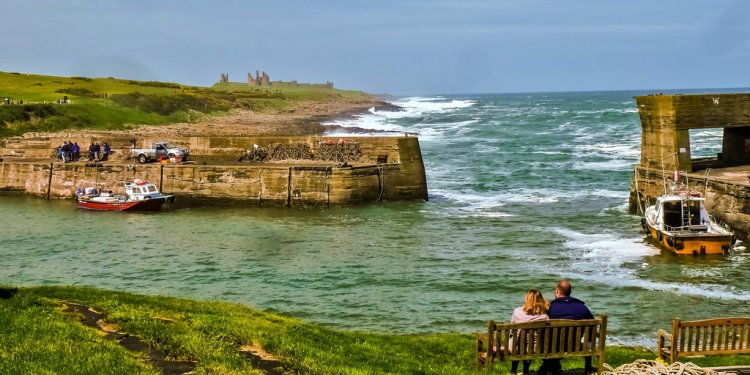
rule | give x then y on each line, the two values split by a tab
401	177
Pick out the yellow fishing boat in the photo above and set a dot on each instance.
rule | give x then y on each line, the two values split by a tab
681	224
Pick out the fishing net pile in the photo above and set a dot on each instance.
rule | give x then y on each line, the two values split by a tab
648	367
349	152
278	151
346	152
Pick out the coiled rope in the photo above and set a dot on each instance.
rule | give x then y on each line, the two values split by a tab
649	367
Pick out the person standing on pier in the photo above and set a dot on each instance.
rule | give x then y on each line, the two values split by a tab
76	155
105	152
91	151
65	151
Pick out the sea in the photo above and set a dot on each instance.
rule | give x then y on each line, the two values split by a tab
524	190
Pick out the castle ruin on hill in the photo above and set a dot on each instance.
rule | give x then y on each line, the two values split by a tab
264	80
259	80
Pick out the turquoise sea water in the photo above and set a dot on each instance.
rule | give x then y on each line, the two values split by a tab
524	189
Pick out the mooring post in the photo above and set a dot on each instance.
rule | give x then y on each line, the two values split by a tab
49	182
161	178
329	176
289	188
380	182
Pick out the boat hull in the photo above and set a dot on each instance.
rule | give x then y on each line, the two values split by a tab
692	243
143	205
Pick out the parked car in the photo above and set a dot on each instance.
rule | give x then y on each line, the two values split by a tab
158	150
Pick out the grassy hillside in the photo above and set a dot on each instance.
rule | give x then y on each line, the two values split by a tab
110	103
38	337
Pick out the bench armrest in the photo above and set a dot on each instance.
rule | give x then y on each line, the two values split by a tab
664	334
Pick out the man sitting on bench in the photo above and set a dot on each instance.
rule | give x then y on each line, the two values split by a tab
566	307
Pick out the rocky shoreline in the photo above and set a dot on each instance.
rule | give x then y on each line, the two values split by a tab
306	118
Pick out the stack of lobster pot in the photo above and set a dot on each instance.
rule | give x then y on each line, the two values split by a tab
346	152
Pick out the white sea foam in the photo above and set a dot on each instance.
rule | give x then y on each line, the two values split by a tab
716	291
414	107
611	165
611	150
527	195
472	204
432	104
606	247
599	258
588	112
548	152
472	199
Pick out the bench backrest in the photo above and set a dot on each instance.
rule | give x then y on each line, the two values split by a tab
544	339
712	336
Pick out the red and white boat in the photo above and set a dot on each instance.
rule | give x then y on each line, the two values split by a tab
140	195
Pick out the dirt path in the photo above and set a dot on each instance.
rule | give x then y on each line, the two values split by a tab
90	318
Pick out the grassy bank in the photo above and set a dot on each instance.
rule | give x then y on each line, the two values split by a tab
38	337
111	103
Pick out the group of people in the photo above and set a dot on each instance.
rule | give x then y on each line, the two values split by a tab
70	151
562	307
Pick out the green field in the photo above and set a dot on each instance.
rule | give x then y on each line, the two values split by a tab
38	337
111	104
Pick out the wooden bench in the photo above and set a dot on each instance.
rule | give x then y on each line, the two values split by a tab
544	339
704	337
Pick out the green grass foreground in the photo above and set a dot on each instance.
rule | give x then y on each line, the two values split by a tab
114	104
37	337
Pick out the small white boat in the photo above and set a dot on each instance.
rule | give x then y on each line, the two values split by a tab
140	195
681	224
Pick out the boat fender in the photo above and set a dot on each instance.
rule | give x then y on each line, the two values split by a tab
678	245
669	241
726	249
658	235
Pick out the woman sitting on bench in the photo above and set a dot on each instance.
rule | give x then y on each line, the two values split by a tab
535	308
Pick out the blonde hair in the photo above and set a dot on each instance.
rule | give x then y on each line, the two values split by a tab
535	303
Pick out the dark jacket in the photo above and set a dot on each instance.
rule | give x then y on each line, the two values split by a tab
569	308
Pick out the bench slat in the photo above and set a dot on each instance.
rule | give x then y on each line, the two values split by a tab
716	322
713	336
554	348
586	342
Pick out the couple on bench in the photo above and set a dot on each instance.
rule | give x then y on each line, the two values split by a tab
562	307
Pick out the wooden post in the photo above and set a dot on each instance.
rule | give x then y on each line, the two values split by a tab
675	338
161	178
380	183
49	182
329	177
490	345
289	188
602	344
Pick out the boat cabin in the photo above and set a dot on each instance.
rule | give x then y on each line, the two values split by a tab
140	189
682	213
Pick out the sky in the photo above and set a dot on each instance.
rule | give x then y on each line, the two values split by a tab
406	47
